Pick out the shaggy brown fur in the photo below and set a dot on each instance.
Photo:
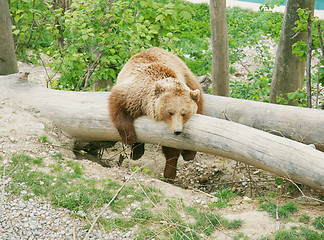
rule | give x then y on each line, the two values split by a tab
158	84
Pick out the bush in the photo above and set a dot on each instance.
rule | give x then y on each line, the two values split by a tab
89	41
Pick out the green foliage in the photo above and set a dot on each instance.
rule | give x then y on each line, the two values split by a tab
95	48
43	139
270	4
72	191
38	160
90	41
257	87
300	47
299	96
294	234
300	50
224	196
142	215
208	222
319	223
61	189
321	75
283	211
239	236
145	170
194	34
304	219
29	20
246	28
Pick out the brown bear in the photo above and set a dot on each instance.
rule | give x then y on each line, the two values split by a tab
158	84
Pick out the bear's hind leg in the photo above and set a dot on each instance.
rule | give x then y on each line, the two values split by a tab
137	150
188	155
171	157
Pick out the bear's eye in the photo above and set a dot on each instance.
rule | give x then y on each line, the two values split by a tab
183	114
171	113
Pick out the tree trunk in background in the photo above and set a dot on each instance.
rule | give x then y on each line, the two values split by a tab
219	41
289	71
8	61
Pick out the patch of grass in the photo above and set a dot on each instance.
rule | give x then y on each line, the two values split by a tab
207	222
295	234
66	187
264	238
142	215
145	170
284	211
76	171
38	160
57	156
145	234
240	236
224	196
57	167
234	224
60	190
79	197
43	139
318	223
304	219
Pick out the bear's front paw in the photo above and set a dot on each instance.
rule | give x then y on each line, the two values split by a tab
188	155
137	151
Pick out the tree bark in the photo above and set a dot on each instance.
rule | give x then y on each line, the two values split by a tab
309	60
85	118
300	124
8	61
289	71
220	48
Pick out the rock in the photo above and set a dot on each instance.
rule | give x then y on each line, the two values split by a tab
214	199
203	179
246	198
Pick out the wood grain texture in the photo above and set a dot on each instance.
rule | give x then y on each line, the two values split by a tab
300	124
84	116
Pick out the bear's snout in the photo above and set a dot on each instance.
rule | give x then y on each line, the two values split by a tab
177	131
176	124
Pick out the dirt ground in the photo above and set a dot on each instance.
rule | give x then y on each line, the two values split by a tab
196	182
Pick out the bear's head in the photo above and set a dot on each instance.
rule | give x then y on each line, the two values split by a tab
175	104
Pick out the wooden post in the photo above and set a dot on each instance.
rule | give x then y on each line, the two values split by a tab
219	42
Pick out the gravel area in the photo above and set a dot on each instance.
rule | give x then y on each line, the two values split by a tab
32	219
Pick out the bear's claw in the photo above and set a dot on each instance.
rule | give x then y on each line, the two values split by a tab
137	151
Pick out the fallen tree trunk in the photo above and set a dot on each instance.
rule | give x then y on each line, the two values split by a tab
301	124
84	117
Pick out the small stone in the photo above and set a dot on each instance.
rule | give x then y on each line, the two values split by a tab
246	198
12	139
203	179
214	199
81	213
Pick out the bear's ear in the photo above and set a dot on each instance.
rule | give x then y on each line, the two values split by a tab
159	88
195	95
